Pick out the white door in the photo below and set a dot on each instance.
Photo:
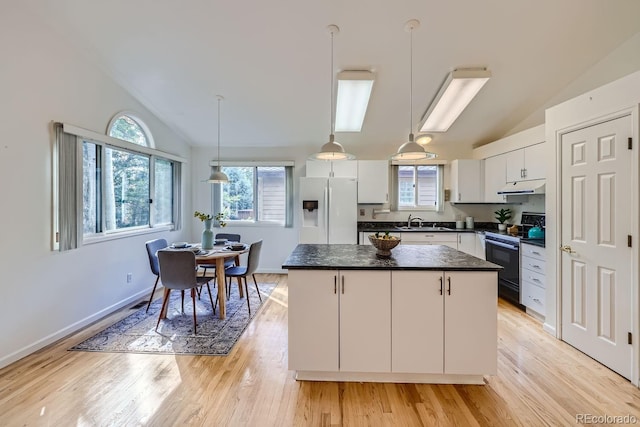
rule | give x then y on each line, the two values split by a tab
365	321
596	260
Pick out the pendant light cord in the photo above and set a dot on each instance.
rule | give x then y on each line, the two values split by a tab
411	82
219	133
331	119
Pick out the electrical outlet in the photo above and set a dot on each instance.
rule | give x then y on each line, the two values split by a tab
129	277
361	212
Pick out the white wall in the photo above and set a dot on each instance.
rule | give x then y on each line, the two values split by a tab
46	294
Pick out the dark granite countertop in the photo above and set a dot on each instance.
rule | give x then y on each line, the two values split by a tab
403	257
534	242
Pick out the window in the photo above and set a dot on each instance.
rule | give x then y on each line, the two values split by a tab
121	187
418	187
120	198
128	127
258	194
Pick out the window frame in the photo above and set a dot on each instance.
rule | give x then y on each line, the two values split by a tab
217	193
438	207
81	135
136	118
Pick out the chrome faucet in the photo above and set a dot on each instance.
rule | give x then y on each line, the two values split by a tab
410	220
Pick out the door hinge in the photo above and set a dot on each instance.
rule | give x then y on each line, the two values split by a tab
629	338
630	143
629	240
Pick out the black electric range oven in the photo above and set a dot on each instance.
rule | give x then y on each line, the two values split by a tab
504	249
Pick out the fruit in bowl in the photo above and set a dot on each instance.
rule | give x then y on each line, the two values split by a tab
384	243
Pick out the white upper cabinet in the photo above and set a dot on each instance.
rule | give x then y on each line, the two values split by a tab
373	181
526	163
466	181
324	168
495	178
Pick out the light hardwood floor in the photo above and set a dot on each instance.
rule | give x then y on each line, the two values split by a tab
540	381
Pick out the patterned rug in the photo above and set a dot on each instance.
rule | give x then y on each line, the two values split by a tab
136	332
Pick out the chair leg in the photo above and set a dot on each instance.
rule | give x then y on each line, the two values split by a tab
246	293
152	292
211	299
182	294
165	301
193	298
228	284
256	283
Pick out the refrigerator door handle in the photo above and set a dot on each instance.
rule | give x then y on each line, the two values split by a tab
327	200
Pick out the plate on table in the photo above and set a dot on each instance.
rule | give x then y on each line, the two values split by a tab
200	252
220	241
236	247
180	245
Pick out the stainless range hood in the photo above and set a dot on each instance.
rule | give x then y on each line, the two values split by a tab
535	186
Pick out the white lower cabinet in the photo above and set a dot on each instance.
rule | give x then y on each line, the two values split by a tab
381	322
532	278
422	238
365	321
444	322
340	320
467	243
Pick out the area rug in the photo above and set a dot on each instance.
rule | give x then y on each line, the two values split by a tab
136	332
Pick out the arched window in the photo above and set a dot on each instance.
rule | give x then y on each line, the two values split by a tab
128	127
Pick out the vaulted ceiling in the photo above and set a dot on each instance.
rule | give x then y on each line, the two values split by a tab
271	60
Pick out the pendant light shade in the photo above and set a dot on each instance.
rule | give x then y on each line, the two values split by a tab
332	150
411	150
217	176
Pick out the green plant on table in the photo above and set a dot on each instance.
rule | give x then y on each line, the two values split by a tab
202	216
502	215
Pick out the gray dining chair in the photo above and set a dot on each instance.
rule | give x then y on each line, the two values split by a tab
153	246
178	271
228	263
241	272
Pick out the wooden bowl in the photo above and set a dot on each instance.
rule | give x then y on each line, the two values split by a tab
384	246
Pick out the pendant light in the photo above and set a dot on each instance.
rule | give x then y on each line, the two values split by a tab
332	150
217	176
411	150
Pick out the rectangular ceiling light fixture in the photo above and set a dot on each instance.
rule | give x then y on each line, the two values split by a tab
354	90
457	91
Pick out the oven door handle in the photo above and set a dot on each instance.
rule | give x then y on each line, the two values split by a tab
502	245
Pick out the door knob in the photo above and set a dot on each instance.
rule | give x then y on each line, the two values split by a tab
567	249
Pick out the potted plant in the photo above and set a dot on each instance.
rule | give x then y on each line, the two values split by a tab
502	215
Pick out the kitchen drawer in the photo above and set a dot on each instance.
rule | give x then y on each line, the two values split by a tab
533	264
436	238
535	278
533	251
533	297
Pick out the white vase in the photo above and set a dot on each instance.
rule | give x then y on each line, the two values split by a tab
502	227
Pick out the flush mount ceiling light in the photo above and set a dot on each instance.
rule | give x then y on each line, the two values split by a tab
424	139
411	150
457	91
217	176
332	150
354	91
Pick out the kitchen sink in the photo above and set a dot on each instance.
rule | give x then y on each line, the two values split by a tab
405	228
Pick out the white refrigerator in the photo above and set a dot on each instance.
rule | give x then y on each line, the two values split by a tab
328	210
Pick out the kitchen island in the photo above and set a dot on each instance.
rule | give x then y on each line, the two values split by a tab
427	314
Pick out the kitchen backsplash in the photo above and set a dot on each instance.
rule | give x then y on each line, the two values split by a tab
453	212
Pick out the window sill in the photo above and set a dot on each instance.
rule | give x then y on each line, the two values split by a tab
125	234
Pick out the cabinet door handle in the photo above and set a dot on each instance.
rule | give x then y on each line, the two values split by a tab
537	300
459	197
535	253
448	285
342	284
459	238
441	285
535	266
335	284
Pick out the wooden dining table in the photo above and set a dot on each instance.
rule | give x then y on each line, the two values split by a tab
218	256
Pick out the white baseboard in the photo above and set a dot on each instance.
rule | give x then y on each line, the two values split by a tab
74	327
549	329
